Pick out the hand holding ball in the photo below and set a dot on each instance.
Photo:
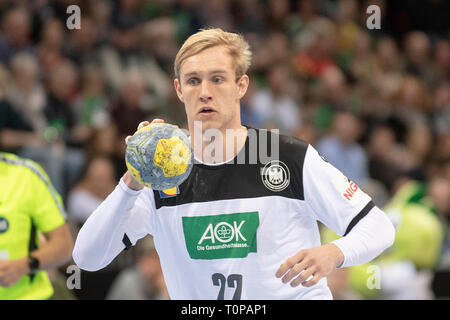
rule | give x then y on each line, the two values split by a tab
159	156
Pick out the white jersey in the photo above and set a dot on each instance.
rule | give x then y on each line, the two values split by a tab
227	229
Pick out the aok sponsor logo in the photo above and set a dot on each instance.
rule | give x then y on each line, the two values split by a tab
223	232
221	236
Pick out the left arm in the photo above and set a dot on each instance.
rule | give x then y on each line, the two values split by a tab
53	253
339	204
368	238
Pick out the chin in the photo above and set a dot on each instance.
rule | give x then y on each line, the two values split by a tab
210	124
207	123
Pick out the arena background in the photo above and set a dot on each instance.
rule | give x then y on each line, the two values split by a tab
375	103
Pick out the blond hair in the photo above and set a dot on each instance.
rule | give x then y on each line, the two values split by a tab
238	48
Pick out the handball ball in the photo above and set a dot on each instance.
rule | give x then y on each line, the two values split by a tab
159	156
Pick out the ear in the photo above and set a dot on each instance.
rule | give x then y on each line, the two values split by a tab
243	85
177	85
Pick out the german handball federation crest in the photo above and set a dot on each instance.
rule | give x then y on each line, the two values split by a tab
275	175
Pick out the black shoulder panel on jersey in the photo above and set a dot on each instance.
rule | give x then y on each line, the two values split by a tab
239	179
359	216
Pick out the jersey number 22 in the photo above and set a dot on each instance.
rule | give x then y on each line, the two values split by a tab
233	281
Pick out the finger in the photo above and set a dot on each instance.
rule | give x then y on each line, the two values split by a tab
294	271
289	263
313	281
283	268
143	124
127	140
158	121
302	277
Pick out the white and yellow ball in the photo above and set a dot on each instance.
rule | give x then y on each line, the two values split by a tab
159	156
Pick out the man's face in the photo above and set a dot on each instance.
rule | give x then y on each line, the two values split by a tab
208	88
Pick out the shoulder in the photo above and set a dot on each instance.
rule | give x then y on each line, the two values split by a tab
293	144
23	166
31	173
284	158
286	146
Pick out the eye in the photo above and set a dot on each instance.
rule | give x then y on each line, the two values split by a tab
218	79
193	81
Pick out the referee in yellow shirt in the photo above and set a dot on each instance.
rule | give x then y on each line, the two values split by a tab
29	205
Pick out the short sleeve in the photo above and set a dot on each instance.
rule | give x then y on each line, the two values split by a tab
46	210
333	199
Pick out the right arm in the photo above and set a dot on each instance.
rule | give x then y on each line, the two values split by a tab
124	211
125	214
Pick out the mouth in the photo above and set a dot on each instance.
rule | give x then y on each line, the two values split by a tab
205	110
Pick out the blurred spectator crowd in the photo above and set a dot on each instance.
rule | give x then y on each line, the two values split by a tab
375	103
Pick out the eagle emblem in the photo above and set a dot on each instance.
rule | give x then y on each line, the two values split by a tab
275	175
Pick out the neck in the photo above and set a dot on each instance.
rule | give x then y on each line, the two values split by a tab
218	145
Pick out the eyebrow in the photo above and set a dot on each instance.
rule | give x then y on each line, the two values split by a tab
190	74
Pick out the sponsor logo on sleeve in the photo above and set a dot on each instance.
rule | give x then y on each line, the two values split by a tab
221	236
347	188
350	191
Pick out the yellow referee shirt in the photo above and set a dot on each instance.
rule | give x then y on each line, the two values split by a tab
28	204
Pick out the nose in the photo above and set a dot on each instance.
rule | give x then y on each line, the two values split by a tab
205	93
